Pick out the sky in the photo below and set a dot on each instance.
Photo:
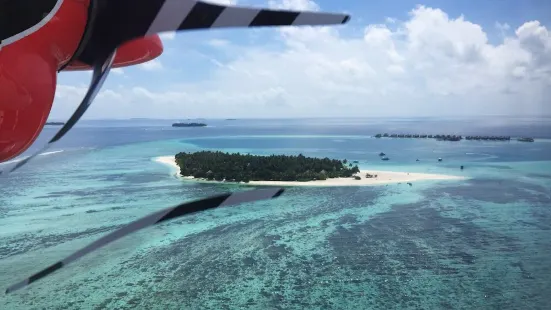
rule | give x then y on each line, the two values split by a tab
398	58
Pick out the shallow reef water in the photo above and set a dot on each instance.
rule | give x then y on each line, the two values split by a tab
481	243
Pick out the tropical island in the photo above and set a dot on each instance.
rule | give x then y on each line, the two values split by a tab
236	167
189	125
283	170
55	123
525	139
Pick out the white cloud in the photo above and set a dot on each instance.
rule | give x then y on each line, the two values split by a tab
429	64
152	65
169	35
536	39
503	26
218	43
117	71
294	5
224	2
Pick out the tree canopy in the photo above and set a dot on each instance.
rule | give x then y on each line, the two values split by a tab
236	167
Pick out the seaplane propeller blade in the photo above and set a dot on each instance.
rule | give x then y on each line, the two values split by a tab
161	216
119	21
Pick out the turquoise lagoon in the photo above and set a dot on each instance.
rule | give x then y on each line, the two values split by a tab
481	243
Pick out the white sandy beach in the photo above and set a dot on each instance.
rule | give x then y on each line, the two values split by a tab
383	177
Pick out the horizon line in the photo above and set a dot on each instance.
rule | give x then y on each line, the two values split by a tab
311	117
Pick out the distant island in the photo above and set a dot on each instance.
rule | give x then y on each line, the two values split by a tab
452	137
189	125
236	167
55	123
525	139
231	119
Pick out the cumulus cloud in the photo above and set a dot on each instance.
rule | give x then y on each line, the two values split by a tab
225	2
117	71
152	65
218	43
304	5
169	35
429	64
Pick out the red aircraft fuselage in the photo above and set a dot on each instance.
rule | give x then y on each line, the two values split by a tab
29	65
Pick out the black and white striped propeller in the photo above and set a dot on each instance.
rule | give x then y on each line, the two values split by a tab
118	21
153	219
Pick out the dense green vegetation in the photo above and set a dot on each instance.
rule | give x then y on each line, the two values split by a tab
236	167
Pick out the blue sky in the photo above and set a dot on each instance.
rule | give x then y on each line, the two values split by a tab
395	58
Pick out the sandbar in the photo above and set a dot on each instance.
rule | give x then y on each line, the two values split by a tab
383	177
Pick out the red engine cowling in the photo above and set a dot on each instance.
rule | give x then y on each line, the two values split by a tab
28	76
130	53
28	73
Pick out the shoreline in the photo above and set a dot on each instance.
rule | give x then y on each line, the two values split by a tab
383	177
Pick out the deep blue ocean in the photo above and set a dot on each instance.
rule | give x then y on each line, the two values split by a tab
480	243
